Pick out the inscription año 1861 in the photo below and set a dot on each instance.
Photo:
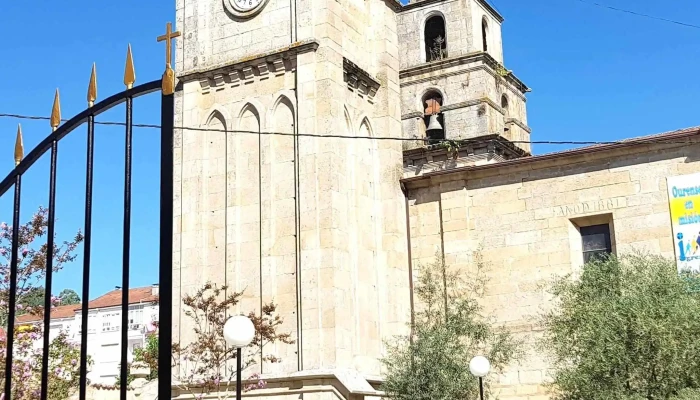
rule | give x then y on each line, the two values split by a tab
587	207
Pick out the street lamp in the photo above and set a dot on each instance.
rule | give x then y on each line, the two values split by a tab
479	366
239	332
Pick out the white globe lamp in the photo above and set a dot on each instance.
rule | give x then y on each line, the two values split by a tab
239	331
479	366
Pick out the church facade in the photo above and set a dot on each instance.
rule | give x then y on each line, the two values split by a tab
334	229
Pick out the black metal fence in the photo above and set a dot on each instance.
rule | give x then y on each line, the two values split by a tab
51	144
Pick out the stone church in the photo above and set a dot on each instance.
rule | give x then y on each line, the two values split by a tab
334	229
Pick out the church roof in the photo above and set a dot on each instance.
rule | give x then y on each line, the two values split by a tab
671	137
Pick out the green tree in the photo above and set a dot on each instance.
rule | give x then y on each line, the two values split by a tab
628	328
32	299
68	297
450	328
147	355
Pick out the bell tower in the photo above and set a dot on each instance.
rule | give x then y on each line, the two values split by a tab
268	205
451	55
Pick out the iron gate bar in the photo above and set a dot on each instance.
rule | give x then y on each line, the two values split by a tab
14	178
87	243
13	289
49	271
126	246
165	270
70	125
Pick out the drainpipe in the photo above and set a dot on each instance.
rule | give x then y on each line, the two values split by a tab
297	195
410	258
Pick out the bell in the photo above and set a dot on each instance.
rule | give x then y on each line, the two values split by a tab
434	125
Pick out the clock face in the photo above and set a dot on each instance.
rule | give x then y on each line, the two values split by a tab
245	5
244	8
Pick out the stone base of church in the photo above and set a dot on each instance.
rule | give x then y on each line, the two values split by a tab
311	384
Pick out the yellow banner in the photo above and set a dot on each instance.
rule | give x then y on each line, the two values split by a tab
684	204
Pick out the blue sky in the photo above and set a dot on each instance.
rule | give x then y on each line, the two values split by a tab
596	75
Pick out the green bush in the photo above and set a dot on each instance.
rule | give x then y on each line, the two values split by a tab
449	330
628	328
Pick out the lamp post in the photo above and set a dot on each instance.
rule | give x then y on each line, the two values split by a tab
479	366
239	332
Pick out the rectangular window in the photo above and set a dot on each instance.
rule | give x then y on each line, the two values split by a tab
596	241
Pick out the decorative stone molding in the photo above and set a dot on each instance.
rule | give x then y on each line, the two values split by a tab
219	81
456	106
359	81
278	66
247	73
561	159
473	151
415	4
480	60
263	69
235	78
246	70
519	123
204	84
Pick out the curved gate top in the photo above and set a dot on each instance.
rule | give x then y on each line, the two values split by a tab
166	86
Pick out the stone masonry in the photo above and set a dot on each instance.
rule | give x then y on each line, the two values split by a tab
309	223
319	225
525	214
472	83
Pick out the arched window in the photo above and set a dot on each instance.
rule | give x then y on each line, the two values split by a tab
435	39
504	105
484	34
433	117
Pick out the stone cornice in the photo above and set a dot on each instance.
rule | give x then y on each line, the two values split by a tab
670	140
489	62
492	140
491	10
398	7
359	80
245	65
395	5
471	103
455	106
421	3
520	123
343	384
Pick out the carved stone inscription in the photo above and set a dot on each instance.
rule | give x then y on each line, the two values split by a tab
588	207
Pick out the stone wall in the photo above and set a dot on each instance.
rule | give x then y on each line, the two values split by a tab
525	214
326	243
212	37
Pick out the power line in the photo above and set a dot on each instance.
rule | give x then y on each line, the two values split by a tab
593	3
317	135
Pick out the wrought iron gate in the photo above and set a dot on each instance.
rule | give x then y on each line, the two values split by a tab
50	144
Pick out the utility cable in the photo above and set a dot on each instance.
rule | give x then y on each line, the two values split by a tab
593	3
317	135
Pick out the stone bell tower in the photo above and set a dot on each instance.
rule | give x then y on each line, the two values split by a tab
314	224
451	53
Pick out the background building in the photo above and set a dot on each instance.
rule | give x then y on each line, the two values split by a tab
104	327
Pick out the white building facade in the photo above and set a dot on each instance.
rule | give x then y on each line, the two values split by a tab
104	328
